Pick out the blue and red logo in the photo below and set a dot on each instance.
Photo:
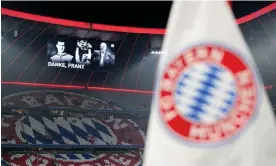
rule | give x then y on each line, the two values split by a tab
207	94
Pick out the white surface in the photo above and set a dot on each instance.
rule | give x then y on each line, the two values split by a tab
201	22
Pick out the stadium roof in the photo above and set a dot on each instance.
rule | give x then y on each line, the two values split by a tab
140	14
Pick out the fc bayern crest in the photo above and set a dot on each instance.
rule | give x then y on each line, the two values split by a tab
207	95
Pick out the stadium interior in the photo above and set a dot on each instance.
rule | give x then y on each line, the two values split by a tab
67	116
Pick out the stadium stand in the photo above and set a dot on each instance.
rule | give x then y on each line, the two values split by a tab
37	133
71	138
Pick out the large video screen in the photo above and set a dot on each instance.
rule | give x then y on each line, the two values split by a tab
80	53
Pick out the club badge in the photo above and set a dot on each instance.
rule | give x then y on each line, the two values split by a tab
207	94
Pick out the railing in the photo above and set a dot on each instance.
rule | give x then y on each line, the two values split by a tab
66	148
7	109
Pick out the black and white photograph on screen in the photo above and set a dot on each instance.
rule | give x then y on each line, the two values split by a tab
83	52
79	53
61	56
104	57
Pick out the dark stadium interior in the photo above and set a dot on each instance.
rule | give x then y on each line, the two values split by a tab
55	115
156	12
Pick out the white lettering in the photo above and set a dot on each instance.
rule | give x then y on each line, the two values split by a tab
124	161
215	133
172	72
88	104
5	103
179	63
243	77
217	55
247	93
75	66
238	119
227	127
170	115
246	99
201	52
105	107
121	160
189	56
166	102
108	163
68	100
52	99
200	132
31	101
57	64
167	85
244	107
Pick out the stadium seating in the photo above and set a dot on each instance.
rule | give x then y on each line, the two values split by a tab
70	159
72	130
37	129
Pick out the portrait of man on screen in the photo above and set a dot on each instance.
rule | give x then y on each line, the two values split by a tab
104	57
61	56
